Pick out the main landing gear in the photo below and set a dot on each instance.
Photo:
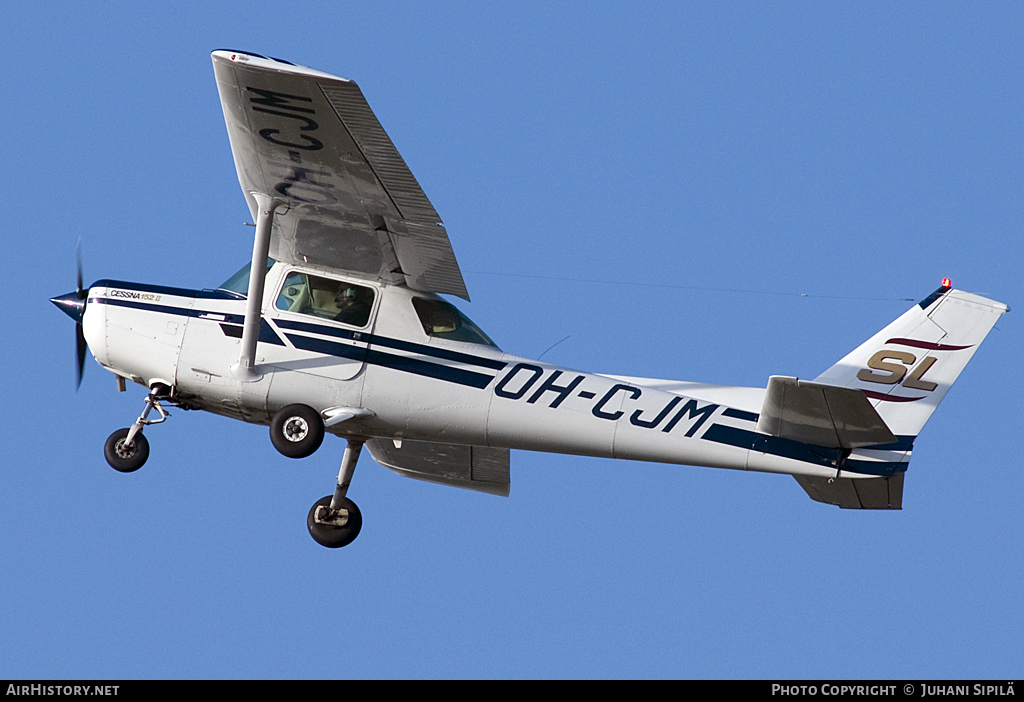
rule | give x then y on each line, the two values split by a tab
334	521
297	431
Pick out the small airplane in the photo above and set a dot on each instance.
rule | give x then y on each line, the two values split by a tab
337	325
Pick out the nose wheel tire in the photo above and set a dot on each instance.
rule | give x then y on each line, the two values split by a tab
297	431
122	457
323	524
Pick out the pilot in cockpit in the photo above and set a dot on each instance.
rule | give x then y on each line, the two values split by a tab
353	305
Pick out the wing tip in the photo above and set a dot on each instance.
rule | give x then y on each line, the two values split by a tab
270	63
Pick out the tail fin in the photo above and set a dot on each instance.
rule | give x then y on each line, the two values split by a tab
906	369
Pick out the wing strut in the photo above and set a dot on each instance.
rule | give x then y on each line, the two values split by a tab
245	369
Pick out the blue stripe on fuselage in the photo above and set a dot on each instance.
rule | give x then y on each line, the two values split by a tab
267	333
388	360
165	290
230	325
808	453
740	414
374	340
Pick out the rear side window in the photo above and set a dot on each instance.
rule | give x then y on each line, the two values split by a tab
445	321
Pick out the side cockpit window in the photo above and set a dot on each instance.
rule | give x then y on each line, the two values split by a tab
326	299
445	321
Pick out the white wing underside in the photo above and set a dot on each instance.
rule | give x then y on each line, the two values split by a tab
310	140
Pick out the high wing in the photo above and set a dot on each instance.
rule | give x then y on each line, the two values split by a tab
309	139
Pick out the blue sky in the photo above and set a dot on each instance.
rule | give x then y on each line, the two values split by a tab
714	192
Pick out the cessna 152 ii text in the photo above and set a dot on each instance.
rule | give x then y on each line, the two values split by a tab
337	325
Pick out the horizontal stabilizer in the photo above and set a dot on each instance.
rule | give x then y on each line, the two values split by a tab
478	468
856	493
823	415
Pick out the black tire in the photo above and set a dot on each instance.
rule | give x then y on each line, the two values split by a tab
126	459
297	431
335	537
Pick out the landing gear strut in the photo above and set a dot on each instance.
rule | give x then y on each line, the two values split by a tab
126	450
334	521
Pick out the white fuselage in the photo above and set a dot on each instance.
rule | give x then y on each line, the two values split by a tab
422	387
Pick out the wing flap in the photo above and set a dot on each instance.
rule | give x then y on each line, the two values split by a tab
479	468
823	415
423	252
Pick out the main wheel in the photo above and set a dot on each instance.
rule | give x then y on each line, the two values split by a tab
334	536
126	458
297	431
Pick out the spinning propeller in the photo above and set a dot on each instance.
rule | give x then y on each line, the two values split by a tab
73	305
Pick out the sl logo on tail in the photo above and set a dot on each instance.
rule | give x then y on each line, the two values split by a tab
893	373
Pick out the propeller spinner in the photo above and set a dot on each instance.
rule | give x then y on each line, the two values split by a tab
73	305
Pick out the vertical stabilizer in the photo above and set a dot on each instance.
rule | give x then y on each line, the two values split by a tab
906	369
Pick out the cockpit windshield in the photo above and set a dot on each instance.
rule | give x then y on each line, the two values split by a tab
239	282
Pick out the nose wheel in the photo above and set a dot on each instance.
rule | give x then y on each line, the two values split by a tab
334	521
124	456
126	450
